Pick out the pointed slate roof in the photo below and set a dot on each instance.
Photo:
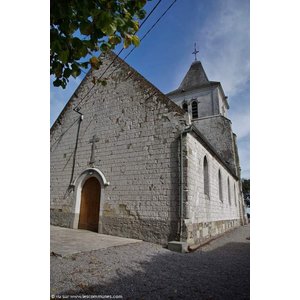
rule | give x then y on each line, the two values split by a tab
194	77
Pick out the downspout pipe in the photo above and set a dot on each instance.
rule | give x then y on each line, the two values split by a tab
181	187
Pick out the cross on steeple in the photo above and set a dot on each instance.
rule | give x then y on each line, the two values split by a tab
195	51
93	141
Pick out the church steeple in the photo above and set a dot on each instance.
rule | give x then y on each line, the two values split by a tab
207	105
198	95
194	78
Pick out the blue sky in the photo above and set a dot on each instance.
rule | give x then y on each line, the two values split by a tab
221	30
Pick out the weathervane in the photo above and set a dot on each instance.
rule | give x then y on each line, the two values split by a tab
195	51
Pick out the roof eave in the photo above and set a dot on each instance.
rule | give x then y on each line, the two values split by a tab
210	148
115	58
202	86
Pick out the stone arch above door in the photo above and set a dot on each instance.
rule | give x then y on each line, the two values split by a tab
78	185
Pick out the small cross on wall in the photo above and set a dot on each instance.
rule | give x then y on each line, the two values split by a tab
93	141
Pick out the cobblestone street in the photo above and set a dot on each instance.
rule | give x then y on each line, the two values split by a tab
219	270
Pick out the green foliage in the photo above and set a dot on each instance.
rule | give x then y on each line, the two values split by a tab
246	185
79	28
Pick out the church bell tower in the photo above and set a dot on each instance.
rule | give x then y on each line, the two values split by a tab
207	105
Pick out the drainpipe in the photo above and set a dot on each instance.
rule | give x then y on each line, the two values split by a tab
181	184
181	187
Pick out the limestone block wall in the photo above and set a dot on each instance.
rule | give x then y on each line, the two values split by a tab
217	130
207	98
138	129
221	104
207	216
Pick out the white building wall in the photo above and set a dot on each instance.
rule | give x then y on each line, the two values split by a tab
204	97
208	216
138	130
137	152
222	106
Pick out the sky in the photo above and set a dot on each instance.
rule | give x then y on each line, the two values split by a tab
221	30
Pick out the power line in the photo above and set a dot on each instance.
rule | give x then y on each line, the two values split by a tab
144	36
77	108
151	27
153	9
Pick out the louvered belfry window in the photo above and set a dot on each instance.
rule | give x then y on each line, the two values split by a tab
185	106
194	109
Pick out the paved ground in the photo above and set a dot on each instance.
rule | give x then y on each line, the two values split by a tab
220	270
65	241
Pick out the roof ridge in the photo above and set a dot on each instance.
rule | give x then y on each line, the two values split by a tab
113	57
209	83
136	73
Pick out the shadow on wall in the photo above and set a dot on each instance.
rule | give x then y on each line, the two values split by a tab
173	199
223	273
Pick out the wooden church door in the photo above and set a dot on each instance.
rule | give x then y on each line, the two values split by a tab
90	205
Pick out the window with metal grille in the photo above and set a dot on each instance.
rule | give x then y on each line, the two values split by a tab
195	109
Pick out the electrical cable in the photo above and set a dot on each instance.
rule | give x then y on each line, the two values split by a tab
151	27
144	36
77	108
153	9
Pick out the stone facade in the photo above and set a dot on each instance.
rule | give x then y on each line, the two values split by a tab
211	117
137	152
135	156
209	99
217	130
208	215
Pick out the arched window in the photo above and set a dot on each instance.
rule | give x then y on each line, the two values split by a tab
195	109
185	106
220	186
234	190
205	176
228	187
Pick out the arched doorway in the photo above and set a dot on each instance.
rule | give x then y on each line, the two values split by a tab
90	205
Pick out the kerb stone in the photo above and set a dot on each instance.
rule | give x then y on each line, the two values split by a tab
176	246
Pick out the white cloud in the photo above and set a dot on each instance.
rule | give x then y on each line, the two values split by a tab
244	156
240	122
224	52
224	45
223	42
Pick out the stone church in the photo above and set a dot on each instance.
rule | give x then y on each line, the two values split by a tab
130	161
